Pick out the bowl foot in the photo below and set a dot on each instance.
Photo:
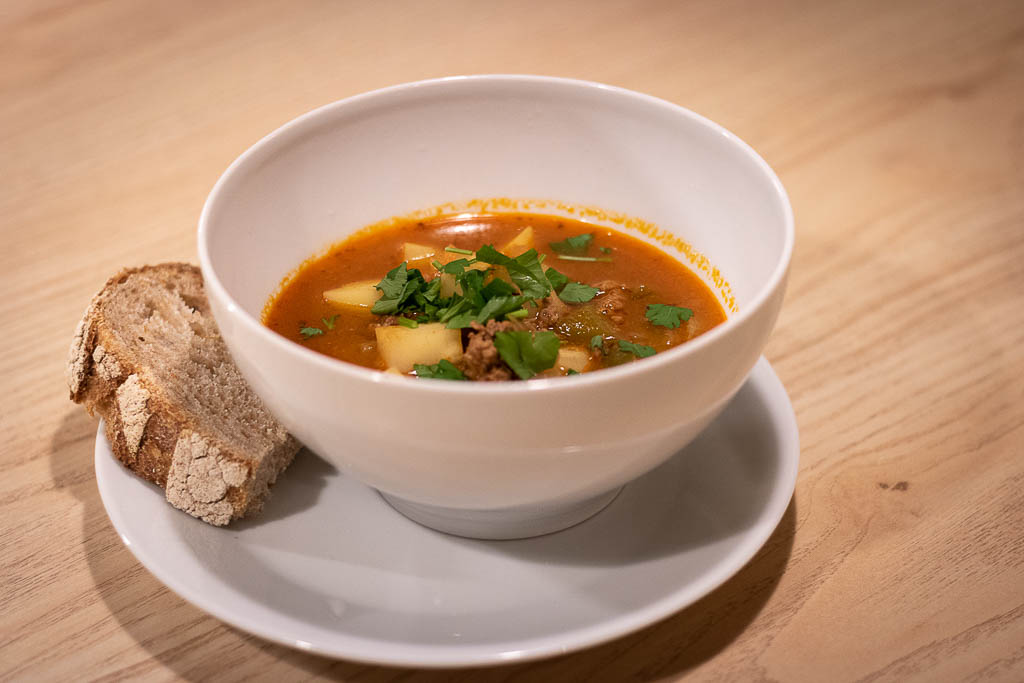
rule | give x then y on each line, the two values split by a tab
503	523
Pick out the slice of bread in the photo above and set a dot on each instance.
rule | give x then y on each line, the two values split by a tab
148	358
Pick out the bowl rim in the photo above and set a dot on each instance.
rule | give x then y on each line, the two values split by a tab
253	326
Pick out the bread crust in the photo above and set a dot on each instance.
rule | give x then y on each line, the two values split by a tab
152	435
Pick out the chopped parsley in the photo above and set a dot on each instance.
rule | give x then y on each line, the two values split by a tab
443	369
525	270
638	350
577	293
668	316
498	306
576	245
479	296
588	259
308	332
455	267
329	322
487	294
456	250
605	250
557	279
572	372
568	291
527	354
397	288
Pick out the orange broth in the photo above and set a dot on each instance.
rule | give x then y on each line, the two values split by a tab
651	276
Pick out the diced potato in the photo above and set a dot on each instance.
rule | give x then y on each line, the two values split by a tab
519	244
418	255
572	358
403	347
448	285
569	358
362	294
692	328
412	251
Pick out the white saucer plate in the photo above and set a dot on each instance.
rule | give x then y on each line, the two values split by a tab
329	567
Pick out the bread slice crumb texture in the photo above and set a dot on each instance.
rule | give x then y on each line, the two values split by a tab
148	358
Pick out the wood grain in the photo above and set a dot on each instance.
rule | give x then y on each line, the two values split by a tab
898	129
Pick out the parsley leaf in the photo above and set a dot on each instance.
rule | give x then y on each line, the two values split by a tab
455	267
525	270
329	322
429	294
596	342
394	282
498	306
570	292
457	322
668	316
444	369
557	280
605	250
498	287
408	322
572	372
308	332
527	354
472	283
397	287
577	293
638	350
576	245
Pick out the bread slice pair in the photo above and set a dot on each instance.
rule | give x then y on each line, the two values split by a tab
148	358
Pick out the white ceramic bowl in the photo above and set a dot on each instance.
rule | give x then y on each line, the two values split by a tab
510	459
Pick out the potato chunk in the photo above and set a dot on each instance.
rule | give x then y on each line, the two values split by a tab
448	285
362	294
402	347
572	358
519	244
418	255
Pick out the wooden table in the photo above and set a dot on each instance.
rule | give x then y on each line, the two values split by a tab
898	129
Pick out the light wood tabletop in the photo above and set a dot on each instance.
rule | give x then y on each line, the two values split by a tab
898	130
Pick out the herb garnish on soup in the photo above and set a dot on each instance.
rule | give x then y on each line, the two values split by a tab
480	298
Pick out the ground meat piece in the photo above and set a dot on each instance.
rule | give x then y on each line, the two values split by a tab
612	300
385	321
481	360
551	311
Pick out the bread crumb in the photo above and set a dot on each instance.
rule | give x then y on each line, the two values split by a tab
132	398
